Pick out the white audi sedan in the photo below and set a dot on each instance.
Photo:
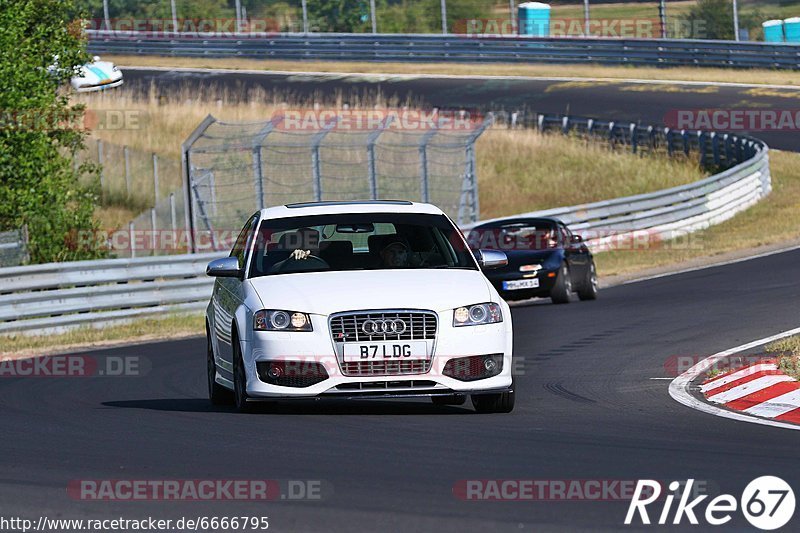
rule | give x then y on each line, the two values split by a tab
373	299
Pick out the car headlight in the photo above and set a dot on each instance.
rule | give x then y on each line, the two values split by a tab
474	315
278	320
115	69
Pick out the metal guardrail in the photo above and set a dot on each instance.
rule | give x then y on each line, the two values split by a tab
56	296
461	48
673	212
14	247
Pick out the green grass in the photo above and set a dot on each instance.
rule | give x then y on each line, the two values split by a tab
787	352
170	326
774	220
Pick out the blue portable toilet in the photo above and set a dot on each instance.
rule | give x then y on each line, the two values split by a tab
773	31
792	29
534	19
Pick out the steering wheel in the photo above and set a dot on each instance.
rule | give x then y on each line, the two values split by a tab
311	262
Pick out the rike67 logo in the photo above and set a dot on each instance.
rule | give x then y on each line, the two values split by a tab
767	503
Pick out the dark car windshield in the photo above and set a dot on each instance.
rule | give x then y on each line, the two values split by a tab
518	235
370	241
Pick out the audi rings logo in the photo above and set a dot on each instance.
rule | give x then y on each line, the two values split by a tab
375	327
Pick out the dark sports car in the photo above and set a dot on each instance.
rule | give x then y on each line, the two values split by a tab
545	259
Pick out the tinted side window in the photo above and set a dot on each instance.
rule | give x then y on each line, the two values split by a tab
241	245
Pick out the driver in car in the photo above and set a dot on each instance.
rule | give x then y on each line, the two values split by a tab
395	255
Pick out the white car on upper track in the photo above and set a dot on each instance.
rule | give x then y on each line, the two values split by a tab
357	299
96	76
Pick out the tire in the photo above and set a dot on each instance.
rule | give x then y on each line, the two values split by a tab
239	380
450	399
560	292
588	290
494	403
217	394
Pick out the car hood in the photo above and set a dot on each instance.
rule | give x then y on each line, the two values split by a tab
325	293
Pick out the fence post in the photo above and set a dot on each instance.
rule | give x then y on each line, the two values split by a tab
701	146
132	239
126	155
371	140
424	184
153	227
687	148
540	123
315	161
470	182
728	150
155	178
187	179
258	170
611	134
715	148
565	125
173	219
634	138
668	138
100	162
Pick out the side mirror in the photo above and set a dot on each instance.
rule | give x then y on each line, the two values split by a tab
227	267
96	58
576	239
489	259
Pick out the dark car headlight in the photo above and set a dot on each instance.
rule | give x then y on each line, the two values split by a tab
279	320
475	315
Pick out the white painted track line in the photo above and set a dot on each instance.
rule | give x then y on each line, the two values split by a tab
776	406
740	391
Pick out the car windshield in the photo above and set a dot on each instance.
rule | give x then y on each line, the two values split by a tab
371	241
527	235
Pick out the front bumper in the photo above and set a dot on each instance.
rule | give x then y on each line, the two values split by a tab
316	347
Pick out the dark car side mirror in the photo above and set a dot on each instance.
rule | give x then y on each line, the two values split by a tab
227	267
576	239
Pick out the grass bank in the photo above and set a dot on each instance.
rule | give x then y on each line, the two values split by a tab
519	170
774	220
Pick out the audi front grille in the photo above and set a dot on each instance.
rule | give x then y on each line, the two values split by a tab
384	326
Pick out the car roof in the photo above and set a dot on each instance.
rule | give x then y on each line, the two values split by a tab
498	223
349	207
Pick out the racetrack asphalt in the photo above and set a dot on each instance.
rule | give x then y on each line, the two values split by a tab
587	408
646	103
